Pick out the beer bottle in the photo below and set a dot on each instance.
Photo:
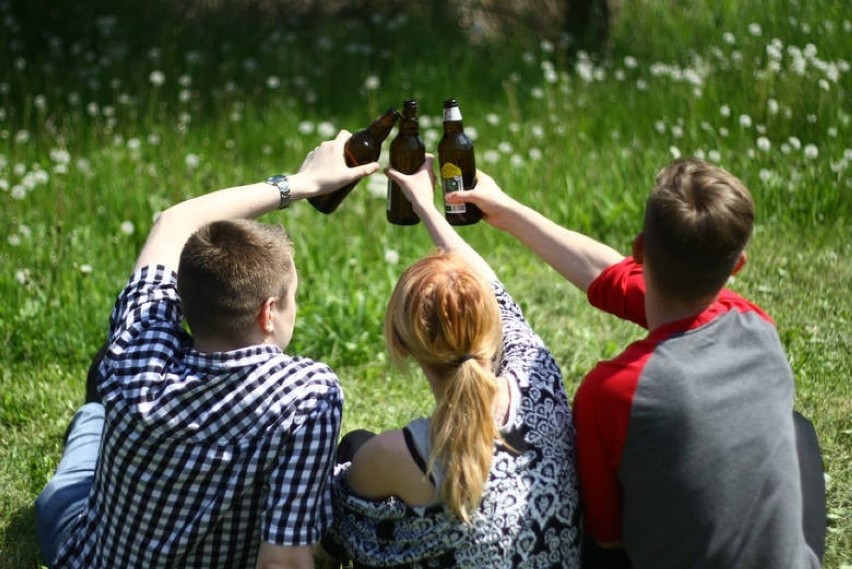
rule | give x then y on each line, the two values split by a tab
363	147
407	154
458	166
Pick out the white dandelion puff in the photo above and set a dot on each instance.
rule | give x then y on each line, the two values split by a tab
157	78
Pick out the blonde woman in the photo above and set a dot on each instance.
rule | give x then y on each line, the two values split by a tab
488	480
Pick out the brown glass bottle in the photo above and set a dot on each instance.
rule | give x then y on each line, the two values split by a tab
407	154
458	166
363	147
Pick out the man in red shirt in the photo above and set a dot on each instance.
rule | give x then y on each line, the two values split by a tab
689	452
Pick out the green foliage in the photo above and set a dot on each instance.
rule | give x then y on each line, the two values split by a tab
109	113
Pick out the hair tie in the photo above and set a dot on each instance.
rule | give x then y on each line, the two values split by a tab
465	358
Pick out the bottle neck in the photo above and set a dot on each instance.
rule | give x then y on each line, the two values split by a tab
452	114
409	125
453	127
381	127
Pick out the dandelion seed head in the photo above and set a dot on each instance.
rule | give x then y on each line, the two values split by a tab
725	111
86	269
491	156
326	130
763	144
391	256
772	106
127	228
755	29
492	119
192	161
372	83
157	78
745	121
729	38
14	240
811	151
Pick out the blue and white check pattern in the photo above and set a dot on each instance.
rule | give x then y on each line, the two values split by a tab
203	455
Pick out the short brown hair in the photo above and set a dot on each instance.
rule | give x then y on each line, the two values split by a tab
698	220
228	269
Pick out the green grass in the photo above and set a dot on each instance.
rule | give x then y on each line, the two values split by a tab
90	147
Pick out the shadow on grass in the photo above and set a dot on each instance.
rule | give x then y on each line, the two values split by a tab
20	545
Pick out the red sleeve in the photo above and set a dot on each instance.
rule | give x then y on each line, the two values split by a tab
620	290
602	409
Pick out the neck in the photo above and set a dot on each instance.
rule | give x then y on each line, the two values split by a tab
208	345
660	310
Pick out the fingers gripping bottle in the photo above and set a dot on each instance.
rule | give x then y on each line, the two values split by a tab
407	154
363	147
458	166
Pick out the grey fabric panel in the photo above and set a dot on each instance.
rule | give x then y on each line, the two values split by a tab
709	464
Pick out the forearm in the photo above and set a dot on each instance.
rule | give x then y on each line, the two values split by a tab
578	258
176	224
445	236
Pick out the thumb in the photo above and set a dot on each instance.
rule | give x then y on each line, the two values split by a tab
365	169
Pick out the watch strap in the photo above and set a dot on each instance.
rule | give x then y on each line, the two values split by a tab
281	182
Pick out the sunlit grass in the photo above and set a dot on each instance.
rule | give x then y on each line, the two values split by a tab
106	119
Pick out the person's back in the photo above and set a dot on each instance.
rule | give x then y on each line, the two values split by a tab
488	479
704	443
699	415
688	448
210	450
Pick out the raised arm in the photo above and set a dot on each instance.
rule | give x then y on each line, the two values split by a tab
419	189
578	258
323	170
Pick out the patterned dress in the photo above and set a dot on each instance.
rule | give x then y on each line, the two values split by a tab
530	514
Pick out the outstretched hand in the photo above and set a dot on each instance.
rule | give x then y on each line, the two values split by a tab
488	197
419	188
325	170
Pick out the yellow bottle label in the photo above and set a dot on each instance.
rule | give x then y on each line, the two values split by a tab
452	181
450	170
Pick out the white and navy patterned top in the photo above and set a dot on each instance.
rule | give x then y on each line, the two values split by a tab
203	455
530	513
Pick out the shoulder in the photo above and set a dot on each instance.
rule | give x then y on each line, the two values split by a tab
615	380
730	300
384	467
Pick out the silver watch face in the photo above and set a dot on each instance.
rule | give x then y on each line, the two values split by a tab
280	181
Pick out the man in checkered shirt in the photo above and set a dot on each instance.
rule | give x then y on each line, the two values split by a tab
210	450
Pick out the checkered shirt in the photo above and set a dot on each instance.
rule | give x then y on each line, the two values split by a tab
203	455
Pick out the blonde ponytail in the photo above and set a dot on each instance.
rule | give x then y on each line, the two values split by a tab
462	432
445	316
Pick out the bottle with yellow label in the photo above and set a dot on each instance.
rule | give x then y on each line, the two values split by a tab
458	166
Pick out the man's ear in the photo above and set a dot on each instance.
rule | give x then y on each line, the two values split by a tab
639	248
741	261
264	317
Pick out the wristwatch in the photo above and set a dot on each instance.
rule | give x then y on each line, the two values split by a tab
281	182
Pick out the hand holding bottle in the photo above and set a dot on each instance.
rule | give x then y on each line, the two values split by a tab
497	207
325	170
419	187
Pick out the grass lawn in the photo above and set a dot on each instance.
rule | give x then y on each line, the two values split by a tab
109	114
